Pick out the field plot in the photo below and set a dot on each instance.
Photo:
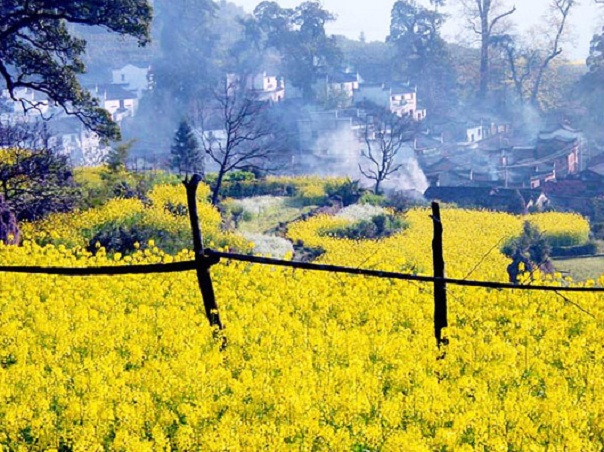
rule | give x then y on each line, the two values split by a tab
313	361
583	268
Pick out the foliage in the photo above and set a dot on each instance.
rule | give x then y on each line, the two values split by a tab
422	54
36	183
591	247
39	52
379	226
186	66
348	192
299	36
118	157
238	176
187	156
562	229
531	249
161	218
372	199
130	234
98	185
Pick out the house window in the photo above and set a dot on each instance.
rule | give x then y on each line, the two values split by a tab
123	77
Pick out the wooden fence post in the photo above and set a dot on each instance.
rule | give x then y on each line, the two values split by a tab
440	288
203	263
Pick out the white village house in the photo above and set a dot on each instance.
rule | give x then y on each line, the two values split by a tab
262	86
133	78
400	99
118	101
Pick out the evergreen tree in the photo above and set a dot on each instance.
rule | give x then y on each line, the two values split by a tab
186	154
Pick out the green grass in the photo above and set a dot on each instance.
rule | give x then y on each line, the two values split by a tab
581	269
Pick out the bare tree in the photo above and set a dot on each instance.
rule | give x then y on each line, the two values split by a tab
236	134
560	12
385	135
522	61
529	62
484	18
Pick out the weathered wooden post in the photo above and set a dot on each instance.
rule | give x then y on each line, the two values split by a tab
203	263
440	288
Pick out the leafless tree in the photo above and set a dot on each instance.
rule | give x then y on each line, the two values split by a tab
484	17
236	134
560	11
529	62
385	135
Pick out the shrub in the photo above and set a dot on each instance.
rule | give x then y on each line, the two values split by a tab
379	226
597	230
586	249
239	176
373	199
348	192
128	236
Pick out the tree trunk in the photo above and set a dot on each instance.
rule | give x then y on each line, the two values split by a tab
484	55
216	189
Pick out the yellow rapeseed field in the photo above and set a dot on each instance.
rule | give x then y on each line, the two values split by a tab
314	361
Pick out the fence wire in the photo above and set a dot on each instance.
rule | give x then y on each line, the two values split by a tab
212	255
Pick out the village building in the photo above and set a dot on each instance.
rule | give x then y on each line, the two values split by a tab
338	88
133	78
263	86
118	101
400	99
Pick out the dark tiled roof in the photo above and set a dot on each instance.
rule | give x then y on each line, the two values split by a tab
112	91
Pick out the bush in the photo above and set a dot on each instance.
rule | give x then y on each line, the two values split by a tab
373	199
597	230
128	235
379	226
586	249
348	192
239	176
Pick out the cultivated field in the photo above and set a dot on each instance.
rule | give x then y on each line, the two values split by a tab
314	361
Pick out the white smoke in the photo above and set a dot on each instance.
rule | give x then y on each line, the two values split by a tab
340	154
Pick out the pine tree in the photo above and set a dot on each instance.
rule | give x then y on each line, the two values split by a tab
186	154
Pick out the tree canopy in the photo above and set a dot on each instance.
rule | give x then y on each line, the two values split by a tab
38	51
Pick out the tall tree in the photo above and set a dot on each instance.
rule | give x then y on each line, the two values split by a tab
299	36
423	54
530	62
485	19
560	12
37	50
186	153
590	88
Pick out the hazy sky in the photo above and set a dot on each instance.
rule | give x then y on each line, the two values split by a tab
373	17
